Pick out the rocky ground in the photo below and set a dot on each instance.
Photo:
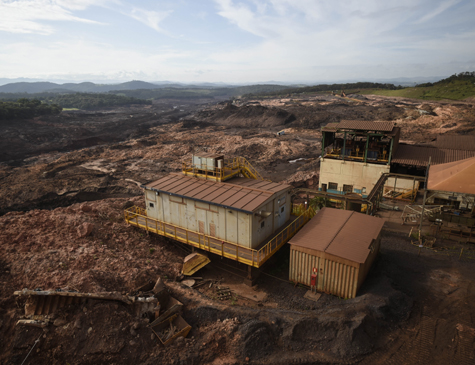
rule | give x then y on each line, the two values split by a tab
64	184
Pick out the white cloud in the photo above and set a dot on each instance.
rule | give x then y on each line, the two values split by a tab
81	57
25	16
235	40
439	10
149	17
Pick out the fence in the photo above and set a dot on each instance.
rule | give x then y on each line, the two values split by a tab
138	217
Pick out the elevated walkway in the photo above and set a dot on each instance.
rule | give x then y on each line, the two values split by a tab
232	167
137	216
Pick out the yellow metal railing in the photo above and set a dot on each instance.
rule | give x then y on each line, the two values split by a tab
232	167
138	217
355	157
301	209
401	194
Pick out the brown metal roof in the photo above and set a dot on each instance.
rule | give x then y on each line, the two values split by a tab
455	142
366	125
457	177
258	184
419	155
238	194
341	233
208	155
330	127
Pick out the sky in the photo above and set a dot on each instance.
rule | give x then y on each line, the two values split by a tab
235	41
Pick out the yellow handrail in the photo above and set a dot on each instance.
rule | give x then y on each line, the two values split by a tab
138	216
232	167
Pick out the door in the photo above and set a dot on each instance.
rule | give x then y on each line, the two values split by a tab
282	215
212	230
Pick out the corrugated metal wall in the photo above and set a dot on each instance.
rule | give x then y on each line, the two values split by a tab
333	277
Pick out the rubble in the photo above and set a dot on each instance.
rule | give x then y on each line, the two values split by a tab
62	227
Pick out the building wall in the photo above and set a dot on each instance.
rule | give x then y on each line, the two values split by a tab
263	228
465	200
401	183
335	275
366	266
358	174
226	224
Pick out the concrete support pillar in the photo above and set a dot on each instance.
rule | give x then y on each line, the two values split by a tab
252	275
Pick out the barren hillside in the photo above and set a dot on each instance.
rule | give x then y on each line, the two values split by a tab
65	180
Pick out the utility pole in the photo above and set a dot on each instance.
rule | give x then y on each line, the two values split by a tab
424	199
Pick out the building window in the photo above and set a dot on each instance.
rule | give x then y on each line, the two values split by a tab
332	186
348	188
151	205
363	190
282	209
263	224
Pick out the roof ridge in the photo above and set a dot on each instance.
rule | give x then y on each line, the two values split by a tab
336	234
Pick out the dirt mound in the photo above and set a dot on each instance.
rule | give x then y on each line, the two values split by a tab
344	330
249	116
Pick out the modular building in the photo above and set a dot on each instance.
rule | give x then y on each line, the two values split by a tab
334	251
241	211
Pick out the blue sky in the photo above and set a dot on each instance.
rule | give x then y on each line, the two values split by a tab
235	41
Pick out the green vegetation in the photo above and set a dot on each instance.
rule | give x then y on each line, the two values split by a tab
455	87
93	101
348	87
72	101
198	93
26	108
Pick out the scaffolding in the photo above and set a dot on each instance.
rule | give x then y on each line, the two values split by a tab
412	213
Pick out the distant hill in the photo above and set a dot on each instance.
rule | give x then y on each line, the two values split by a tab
83	87
29	87
456	87
134	89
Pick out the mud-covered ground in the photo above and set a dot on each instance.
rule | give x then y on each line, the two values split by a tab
65	180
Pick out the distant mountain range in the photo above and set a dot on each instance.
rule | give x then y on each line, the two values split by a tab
83	87
31	86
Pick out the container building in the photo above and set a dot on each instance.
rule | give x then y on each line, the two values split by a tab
222	206
241	211
334	251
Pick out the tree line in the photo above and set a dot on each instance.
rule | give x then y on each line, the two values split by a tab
462	76
93	101
84	101
329	87
26	108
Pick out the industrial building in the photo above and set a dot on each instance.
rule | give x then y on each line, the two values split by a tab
355	154
366	159
222	206
241	211
334	251
451	186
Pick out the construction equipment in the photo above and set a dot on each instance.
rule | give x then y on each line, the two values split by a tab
193	262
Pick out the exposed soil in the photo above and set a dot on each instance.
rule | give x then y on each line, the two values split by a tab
65	180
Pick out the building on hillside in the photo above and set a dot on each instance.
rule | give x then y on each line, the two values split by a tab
334	251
